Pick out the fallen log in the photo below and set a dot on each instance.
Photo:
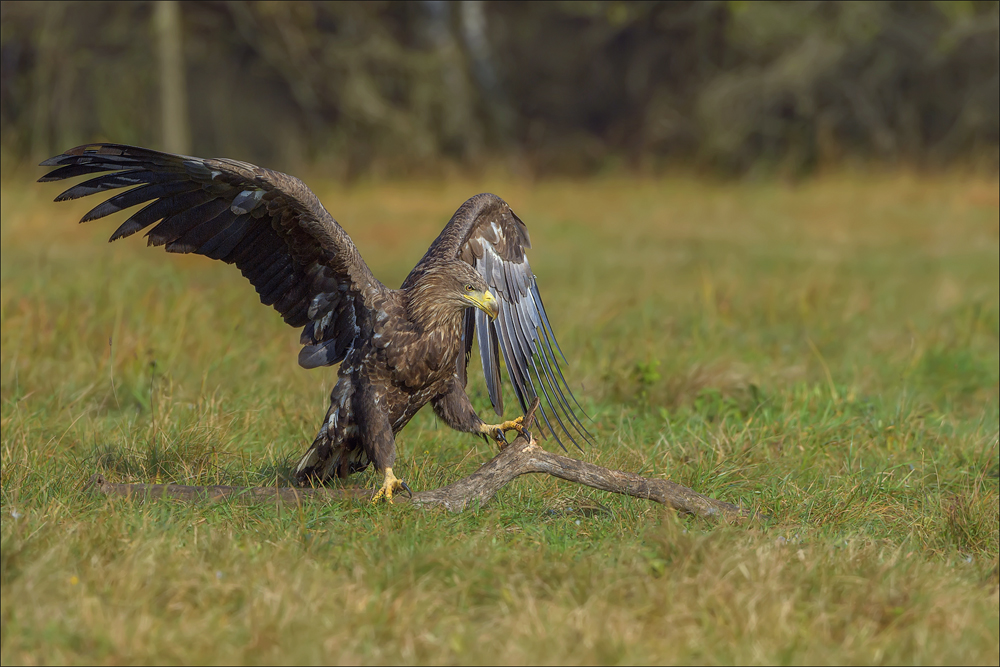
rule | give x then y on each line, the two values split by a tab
520	457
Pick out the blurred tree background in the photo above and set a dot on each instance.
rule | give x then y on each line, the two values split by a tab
567	87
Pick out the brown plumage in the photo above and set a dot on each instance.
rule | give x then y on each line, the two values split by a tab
397	349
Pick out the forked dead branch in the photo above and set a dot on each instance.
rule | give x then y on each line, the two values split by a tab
518	458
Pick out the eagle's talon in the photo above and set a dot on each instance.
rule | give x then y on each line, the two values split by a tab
406	487
390	485
498	431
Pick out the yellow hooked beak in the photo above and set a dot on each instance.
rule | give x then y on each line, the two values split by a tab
485	302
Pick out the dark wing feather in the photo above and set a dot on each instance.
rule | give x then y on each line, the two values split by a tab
269	224
485	233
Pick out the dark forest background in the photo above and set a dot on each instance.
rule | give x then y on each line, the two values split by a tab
570	88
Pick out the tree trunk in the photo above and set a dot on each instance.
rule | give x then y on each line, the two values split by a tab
173	89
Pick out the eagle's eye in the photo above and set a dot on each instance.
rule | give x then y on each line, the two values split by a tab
469	287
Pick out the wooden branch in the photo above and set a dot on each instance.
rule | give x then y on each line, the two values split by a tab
518	458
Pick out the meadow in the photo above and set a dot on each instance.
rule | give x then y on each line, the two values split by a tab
823	352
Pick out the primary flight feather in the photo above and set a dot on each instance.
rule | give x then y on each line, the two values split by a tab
397	349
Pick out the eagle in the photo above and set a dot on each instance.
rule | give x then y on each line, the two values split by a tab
398	349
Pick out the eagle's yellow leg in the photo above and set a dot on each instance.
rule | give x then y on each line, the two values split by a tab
390	485
496	431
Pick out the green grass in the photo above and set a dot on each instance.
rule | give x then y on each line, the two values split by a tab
826	353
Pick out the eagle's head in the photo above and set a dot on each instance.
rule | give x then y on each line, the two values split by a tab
471	289
452	285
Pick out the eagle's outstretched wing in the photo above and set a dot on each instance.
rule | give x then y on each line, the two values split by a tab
267	223
485	233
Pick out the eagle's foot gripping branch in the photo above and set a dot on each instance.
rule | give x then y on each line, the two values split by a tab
390	485
497	431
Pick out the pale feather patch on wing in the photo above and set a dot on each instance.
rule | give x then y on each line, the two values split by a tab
246	201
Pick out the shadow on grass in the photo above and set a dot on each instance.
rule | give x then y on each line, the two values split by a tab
189	464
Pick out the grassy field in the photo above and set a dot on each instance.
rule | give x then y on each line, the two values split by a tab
825	352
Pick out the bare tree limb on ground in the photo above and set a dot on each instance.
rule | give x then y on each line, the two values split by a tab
518	458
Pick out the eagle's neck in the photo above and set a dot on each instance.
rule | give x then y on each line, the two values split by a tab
429	310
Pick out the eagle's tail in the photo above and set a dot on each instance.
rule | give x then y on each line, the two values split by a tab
326	459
